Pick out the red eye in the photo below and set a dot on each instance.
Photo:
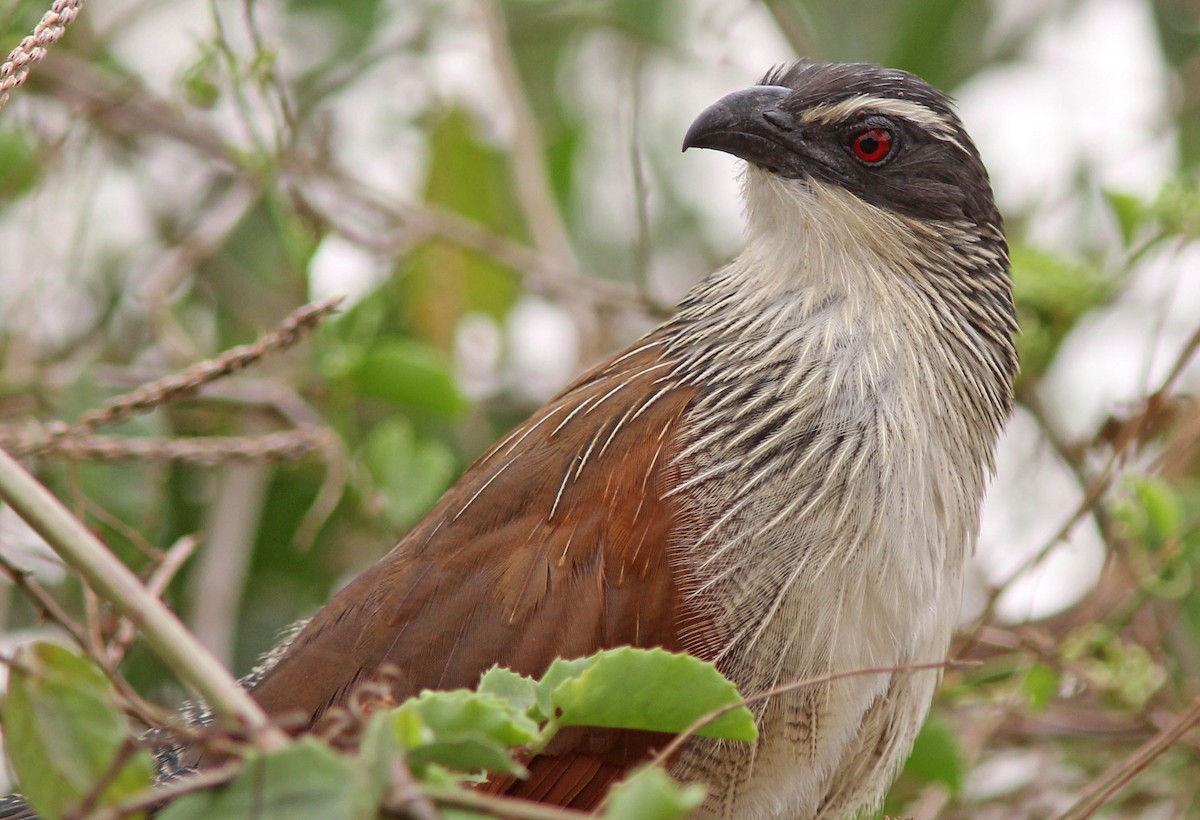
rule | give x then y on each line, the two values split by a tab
873	145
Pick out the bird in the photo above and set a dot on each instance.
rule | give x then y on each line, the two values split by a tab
783	478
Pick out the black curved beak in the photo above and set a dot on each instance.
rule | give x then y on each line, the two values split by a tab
748	124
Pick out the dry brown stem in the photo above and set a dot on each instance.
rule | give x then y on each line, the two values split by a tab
207	451
32	49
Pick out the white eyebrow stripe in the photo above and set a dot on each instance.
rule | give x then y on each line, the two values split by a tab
847	109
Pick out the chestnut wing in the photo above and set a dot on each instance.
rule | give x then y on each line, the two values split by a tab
552	544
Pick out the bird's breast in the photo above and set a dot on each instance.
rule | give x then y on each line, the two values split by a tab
825	514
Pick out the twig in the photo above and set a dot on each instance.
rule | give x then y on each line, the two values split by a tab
287	111
23	579
172	561
406	225
205	237
1099	792
145	711
208	451
164	633
294	328
1190	347
177	385
1100	483
120	106
677	742
149	798
512	808
219	576
85	807
135	112
32	49
408	796
528	149
642	247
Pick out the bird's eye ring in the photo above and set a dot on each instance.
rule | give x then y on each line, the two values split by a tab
872	145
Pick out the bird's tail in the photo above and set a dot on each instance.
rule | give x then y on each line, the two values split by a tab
14	807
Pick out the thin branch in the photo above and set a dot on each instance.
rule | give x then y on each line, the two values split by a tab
208	451
172	790
132	111
1190	347
122	106
219	576
1129	433
172	561
295	327
408	796
287	111
212	228
171	388
24	579
512	808
145	711
1101	791
677	742
407	225
534	191
163	631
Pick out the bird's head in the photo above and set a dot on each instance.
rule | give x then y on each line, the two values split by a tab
883	136
863	186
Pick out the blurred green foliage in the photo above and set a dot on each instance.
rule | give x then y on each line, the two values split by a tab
285	97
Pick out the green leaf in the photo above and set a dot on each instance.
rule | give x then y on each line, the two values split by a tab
1163	509
517	690
466	754
1040	686
441	280
649	689
20	163
62	732
201	80
410	473
462	711
1052	294
1177	208
1130	213
1152	518
388	737
650	794
460	730
1125	672
936	757
305	781
559	672
410	374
